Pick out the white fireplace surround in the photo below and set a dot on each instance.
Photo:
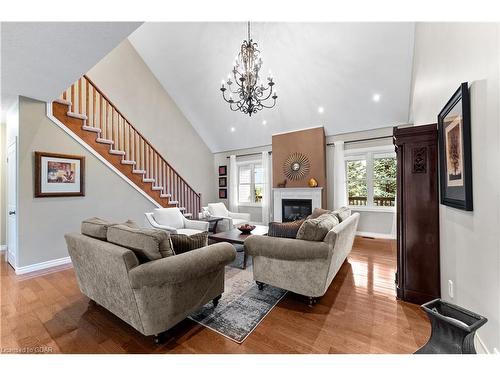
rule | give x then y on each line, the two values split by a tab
294	193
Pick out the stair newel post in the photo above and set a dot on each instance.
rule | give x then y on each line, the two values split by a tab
80	96
106	124
94	99
87	112
101	118
130	149
73	97
113	138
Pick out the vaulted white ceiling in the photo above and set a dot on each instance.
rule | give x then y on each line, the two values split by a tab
337	66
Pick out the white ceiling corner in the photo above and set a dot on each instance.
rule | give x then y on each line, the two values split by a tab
41	59
338	66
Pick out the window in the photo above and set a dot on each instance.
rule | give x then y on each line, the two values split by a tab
371	178
250	183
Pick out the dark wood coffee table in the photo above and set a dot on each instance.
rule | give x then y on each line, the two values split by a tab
212	222
234	236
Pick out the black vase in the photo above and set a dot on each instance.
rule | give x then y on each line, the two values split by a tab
453	329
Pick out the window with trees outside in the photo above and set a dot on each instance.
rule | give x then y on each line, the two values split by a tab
250	184
371	179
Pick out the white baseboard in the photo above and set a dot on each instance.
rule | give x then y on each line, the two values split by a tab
3	248
42	265
376	235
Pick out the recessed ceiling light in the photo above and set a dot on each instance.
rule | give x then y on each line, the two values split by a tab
376	97
264	122
321	110
233	129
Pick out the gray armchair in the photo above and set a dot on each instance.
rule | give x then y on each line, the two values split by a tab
154	296
172	220
303	267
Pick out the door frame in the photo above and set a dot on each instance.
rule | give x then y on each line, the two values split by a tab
12	254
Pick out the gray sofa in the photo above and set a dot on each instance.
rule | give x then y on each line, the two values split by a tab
153	296
303	267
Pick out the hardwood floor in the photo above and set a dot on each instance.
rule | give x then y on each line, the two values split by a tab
358	314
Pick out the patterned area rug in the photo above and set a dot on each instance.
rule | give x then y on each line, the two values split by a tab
242	306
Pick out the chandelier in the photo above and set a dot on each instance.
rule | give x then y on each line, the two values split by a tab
245	84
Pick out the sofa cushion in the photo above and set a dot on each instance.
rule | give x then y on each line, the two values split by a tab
183	242
147	244
284	230
218	209
317	229
171	217
96	227
342	213
317	212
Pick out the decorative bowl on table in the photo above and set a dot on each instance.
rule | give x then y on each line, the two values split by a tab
246	228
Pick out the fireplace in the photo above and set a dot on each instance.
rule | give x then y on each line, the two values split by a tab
295	209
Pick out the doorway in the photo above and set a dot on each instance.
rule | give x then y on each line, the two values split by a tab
12	203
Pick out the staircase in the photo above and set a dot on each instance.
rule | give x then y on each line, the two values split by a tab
88	113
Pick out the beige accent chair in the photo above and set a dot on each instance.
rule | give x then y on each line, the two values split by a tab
303	267
230	219
154	296
173	221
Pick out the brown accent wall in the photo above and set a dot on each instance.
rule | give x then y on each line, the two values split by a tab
310	142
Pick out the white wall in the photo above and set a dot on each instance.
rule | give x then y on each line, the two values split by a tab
447	54
221	158
42	222
381	224
127	81
3	179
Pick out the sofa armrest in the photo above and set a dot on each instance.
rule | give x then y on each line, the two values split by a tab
154	224
239	215
343	233
196	224
180	268
286	248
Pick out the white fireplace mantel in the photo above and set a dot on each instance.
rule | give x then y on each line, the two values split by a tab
294	193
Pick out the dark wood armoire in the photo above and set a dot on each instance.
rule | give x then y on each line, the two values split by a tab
417	276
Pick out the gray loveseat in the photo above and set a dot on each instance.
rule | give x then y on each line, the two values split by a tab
303	267
153	296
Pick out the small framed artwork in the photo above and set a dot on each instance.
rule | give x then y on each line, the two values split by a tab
222	170
222	193
455	157
59	175
222	182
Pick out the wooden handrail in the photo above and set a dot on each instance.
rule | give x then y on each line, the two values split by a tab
137	152
137	131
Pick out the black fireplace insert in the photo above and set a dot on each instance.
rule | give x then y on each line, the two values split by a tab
295	209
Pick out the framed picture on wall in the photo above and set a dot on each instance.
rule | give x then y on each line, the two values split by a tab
222	182
222	170
455	157
59	175
222	193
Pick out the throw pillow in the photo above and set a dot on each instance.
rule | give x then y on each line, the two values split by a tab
317	212
342	213
96	227
285	230
182	242
317	229
147	244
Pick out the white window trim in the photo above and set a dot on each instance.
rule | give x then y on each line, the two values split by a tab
252	184
369	154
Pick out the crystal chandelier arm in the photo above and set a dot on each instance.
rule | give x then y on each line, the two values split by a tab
269	106
270	88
